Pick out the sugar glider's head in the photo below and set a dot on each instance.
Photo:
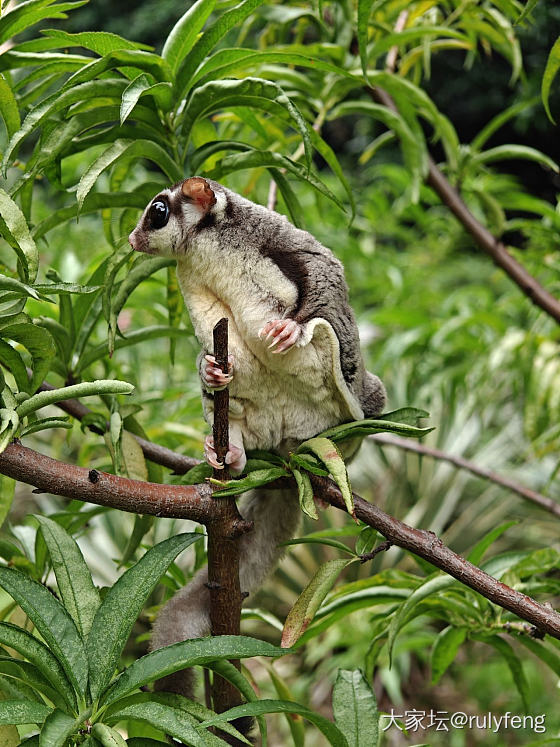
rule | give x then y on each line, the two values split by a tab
173	217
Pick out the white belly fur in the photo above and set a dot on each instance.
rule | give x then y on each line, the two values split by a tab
276	400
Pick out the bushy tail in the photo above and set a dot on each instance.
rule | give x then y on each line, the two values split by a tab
276	516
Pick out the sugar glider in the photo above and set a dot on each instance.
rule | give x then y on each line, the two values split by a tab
295	367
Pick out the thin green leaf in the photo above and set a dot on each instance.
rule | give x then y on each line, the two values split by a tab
308	602
445	650
183	35
59	727
477	553
514	664
85	389
142	269
266	159
40	656
320	541
51	620
361	428
12	360
172	721
305	494
334	736
40	344
27	675
142	86
126	151
203	651
106	736
259	93
9	108
253	480
27	14
514	152
22	712
73	578
122	605
19	236
355	708
7	492
45	424
148	333
100	42
106	89
208	41
433	585
331	457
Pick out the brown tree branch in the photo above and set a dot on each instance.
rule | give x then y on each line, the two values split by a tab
223	547
409	445
483	237
427	545
195	502
53	476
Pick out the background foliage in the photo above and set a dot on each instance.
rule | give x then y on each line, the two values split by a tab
253	94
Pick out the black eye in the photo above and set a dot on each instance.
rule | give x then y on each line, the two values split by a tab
159	214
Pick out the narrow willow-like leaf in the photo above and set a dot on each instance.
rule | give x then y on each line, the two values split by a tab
92	204
514	664
172	721
361	428
100	42
85	389
320	541
27	14
142	269
12	360
127	150
106	736
261	158
9	109
183	35
7	491
51	620
139	86
58	728
308	602
253	480
331	457
445	650
255	92
433	585
305	494
40	656
121	58
45	424
208	41
20	236
191	653
335	737
73	578
477	553
27	675
513	152
122	605
22	712
355	708
173	700
40	344
148	333
106	89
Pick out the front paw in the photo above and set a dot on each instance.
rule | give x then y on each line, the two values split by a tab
235	457
283	332
212	375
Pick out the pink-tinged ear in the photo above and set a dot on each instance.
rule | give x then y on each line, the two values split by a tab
198	190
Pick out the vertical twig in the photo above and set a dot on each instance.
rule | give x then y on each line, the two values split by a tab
223	531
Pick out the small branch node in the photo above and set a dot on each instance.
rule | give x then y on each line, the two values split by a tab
93	476
382	547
